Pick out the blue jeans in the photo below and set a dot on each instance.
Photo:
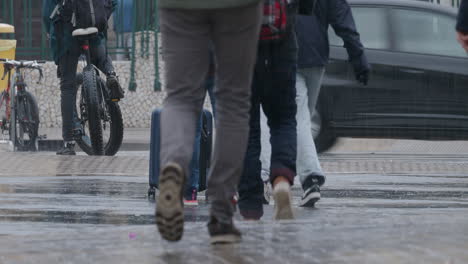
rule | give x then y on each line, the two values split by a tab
273	89
308	85
195	162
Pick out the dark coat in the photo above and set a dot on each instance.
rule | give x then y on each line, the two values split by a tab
312	33
462	21
61	36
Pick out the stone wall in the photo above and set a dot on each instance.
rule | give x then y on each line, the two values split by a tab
136	106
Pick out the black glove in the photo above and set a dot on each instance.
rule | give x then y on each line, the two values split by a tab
361	69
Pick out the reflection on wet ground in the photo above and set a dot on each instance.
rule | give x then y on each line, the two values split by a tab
58	212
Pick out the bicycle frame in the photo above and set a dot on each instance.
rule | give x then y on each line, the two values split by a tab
10	102
15	84
6	101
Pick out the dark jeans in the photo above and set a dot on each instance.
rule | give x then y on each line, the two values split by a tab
67	73
273	89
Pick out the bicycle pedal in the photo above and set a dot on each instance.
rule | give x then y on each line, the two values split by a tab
115	100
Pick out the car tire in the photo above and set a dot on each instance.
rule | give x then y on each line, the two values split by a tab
324	137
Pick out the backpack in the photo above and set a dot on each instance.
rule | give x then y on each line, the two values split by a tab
275	20
86	13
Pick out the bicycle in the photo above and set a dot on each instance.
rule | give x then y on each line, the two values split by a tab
19	113
100	118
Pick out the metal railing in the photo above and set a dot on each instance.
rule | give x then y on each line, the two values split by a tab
132	17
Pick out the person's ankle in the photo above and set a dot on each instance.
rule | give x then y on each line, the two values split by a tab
280	179
69	143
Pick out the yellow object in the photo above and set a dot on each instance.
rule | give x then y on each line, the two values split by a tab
7	50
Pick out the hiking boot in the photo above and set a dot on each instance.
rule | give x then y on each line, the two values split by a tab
311	193
190	197
169	206
282	197
67	150
223	233
115	90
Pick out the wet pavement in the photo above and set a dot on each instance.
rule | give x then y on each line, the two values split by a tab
376	208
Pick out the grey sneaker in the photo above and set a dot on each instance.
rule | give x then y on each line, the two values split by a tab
283	206
67	150
116	91
170	206
266	192
311	192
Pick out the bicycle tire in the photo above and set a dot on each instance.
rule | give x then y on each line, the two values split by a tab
116	125
91	98
3	111
116	128
27	119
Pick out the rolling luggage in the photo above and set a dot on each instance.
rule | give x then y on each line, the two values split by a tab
206	141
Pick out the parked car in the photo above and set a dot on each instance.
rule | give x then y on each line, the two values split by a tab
419	80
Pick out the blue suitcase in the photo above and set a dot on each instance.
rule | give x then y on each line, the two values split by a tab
206	141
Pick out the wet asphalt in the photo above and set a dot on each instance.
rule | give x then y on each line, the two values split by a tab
375	208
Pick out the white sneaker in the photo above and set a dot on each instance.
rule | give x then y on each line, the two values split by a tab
283	206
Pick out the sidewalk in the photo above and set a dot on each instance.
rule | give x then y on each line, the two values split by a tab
138	139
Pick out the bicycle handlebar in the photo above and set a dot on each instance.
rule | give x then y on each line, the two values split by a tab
23	64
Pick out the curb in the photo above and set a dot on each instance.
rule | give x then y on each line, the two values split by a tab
56	144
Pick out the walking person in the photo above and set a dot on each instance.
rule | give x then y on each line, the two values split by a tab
189	28
273	90
312	35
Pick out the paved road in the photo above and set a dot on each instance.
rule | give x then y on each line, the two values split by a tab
377	208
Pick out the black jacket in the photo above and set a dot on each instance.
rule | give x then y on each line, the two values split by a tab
462	21
312	34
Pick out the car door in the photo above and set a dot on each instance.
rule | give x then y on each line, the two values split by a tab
357	108
431	71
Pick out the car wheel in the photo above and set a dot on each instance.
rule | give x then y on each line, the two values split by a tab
324	137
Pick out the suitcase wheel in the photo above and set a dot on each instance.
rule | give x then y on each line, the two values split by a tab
152	192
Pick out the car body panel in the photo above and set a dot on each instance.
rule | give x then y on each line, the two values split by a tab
410	94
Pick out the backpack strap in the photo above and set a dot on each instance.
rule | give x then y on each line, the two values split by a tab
313	7
93	14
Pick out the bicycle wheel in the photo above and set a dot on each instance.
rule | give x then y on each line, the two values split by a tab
112	122
4	97
91	109
112	125
27	122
